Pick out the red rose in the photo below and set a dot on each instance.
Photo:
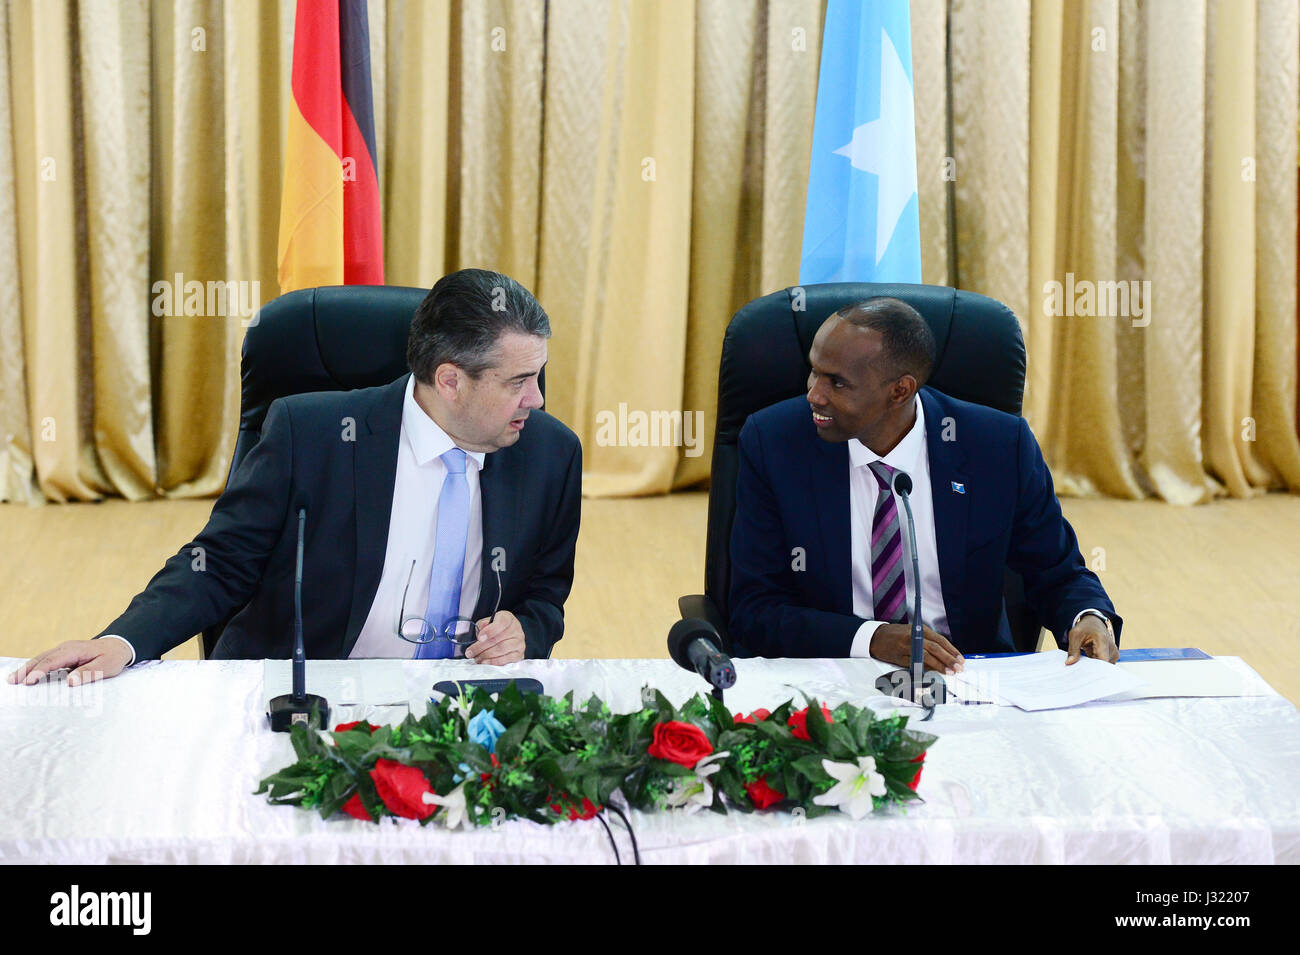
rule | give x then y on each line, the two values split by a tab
484	777
916	780
680	743
355	808
754	717
588	810
798	722
762	794
400	788
344	727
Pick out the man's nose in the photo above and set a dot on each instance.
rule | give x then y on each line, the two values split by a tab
532	395
816	394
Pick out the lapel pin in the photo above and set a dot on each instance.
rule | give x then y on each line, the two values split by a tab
958	487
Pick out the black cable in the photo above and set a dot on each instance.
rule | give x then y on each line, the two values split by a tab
618	860
636	851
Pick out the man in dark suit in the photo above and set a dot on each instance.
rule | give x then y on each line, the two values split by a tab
820	558
443	504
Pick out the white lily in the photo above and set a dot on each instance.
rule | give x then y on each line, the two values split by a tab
857	784
461	705
692	795
454	813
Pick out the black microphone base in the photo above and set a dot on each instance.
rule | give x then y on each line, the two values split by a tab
283	712
930	692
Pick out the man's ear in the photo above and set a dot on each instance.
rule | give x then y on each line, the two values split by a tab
904	389
447	381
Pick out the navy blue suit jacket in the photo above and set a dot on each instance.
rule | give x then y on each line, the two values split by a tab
336	452
793	491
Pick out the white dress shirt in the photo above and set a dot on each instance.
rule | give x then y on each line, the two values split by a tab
912	457
412	530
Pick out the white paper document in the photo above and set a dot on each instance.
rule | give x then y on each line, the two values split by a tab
341	682
1185	678
1041	681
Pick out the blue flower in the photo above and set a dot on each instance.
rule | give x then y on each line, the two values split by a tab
485	729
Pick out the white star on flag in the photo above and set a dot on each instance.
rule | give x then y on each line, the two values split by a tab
886	146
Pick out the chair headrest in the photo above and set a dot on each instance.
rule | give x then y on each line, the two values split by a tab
332	338
980	353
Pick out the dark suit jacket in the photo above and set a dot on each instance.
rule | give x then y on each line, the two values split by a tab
793	491
336	452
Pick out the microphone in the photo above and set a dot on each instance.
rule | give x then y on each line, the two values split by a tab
695	645
299	706
927	689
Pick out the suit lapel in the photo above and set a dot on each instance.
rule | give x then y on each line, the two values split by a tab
499	494
829	479
374	467
951	508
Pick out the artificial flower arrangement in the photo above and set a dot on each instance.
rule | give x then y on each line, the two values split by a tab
472	760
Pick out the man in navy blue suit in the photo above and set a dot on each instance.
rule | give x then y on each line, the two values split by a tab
445	504
821	563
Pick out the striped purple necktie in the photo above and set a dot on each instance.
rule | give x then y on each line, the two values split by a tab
888	585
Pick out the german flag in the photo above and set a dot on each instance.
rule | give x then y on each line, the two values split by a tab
330	232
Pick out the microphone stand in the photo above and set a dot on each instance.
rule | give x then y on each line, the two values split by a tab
917	656
925	689
299	706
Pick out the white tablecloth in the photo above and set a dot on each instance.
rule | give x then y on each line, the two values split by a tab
160	764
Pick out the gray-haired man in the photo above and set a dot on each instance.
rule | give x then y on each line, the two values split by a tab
445	523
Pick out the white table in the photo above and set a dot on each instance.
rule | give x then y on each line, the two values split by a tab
159	766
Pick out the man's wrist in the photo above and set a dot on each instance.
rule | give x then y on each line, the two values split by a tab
114	636
861	645
1091	612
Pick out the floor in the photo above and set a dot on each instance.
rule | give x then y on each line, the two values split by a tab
1223	577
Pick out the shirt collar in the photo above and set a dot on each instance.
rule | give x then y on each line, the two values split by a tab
905	456
428	440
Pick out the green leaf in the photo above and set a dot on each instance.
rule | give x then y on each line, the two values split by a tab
777	732
818	728
306	743
508	743
731	784
477	756
549	769
811	766
510	704
542	738
839	745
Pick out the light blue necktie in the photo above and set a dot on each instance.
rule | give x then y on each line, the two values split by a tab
448	556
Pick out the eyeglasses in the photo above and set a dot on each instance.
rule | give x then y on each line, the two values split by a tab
461	632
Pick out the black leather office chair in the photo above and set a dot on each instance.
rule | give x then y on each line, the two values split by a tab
333	338
981	358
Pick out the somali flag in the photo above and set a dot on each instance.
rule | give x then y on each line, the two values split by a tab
861	222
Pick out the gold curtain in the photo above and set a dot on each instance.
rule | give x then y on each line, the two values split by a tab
642	166
1118	141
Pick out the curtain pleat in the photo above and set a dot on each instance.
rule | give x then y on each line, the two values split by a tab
1277	95
17	475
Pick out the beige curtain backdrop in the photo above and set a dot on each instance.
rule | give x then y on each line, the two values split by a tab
1105	141
642	166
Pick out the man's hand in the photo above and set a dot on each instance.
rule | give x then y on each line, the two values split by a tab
499	641
1091	638
892	643
89	660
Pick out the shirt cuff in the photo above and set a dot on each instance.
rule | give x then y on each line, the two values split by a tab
113	636
861	646
1079	616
